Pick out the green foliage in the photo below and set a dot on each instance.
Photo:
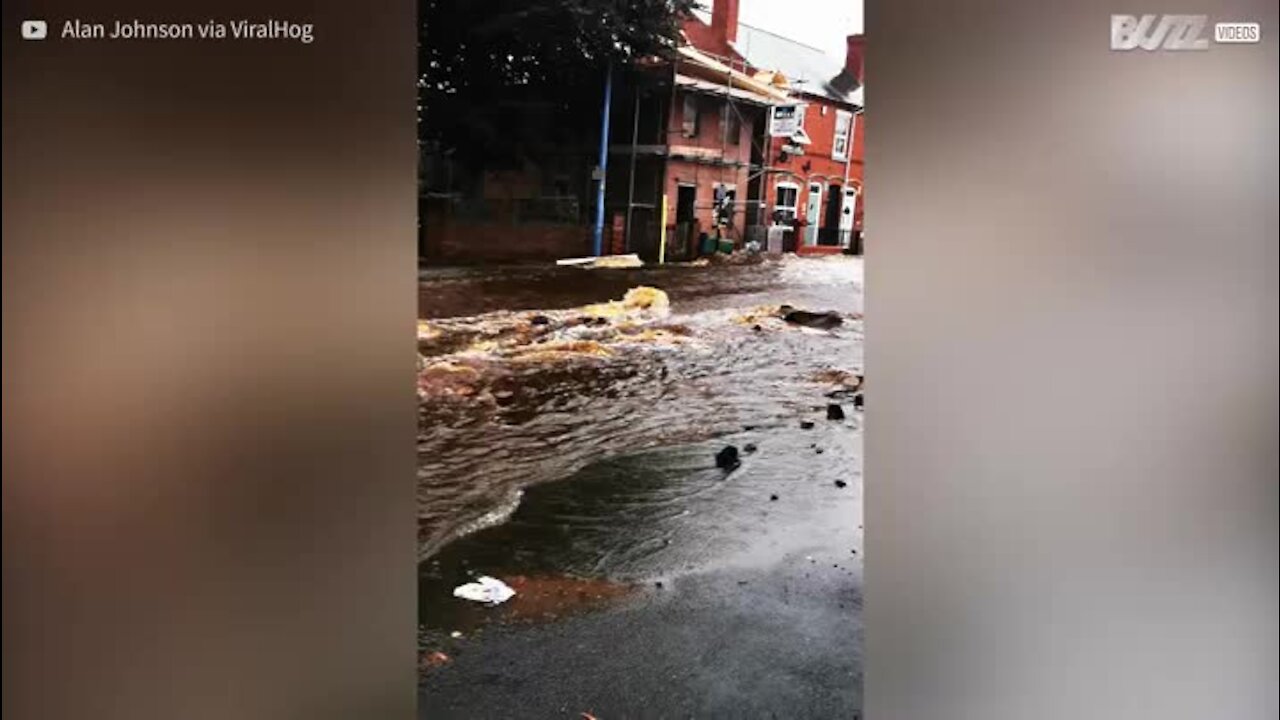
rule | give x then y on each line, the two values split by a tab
468	45
496	75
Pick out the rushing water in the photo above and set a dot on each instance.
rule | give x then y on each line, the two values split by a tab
513	424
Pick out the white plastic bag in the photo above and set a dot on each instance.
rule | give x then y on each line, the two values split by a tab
485	589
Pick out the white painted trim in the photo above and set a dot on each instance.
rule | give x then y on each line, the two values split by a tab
848	209
791	185
848	137
811	230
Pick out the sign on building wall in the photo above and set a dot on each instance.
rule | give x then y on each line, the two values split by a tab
785	120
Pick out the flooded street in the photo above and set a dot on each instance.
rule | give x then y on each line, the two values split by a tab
568	447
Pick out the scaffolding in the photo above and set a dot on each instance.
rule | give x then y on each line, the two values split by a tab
691	71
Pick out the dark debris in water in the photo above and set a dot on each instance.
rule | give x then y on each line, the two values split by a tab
495	390
816	320
727	458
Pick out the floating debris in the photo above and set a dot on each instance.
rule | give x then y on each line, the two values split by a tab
727	458
645	298
543	352
818	321
485	589
448	378
604	261
846	379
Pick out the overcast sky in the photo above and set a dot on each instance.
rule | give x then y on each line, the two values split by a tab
820	23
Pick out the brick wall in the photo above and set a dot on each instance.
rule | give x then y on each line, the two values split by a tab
475	243
817	164
711	40
702	175
821	130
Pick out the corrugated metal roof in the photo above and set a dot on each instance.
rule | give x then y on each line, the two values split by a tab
808	69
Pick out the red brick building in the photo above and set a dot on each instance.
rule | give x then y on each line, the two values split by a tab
814	179
690	129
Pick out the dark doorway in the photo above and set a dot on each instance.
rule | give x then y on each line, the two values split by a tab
685	195
686	223
829	233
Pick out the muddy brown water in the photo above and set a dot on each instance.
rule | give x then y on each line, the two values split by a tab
585	475
648	580
542	421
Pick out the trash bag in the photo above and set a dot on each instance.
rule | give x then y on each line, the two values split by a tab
487	590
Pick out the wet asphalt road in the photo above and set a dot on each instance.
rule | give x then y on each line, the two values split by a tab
786	644
678	589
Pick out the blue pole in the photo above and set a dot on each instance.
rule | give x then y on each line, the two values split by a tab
598	232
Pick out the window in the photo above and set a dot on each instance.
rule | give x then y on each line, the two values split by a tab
784	203
689	116
844	126
732	124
